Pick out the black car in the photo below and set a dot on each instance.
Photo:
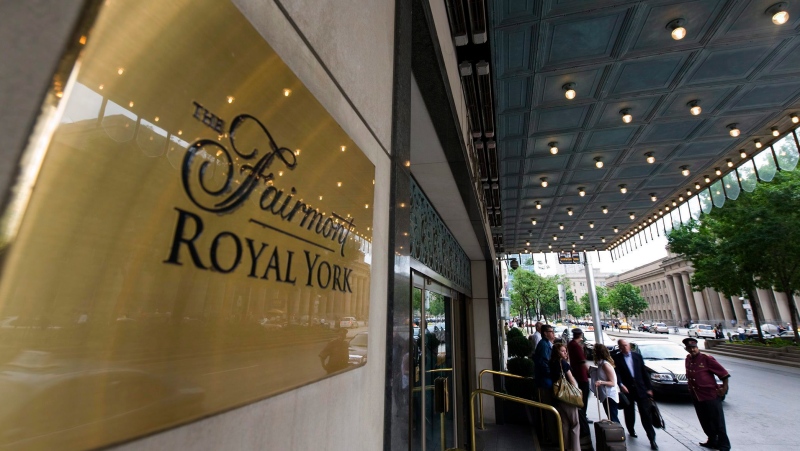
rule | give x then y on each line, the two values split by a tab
665	363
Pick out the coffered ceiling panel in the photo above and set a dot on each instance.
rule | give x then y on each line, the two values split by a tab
741	68
590	38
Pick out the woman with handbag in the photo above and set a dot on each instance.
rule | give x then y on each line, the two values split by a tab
606	385
570	425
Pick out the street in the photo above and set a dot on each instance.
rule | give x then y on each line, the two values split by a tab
760	408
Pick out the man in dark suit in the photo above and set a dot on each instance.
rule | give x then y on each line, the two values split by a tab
635	383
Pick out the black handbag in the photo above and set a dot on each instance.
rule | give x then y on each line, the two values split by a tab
623	400
655	416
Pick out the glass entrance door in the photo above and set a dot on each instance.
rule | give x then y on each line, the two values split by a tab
432	374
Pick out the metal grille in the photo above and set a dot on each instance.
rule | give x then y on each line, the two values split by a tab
680	377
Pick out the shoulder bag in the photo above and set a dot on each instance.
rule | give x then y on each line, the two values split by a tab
566	392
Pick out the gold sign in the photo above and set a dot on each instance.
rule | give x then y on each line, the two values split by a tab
198	238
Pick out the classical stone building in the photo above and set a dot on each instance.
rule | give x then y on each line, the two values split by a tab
665	285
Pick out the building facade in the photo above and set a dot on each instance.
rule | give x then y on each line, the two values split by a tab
665	284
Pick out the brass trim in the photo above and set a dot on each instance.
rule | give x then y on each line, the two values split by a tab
527	402
480	386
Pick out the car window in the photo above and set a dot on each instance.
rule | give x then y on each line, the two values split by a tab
359	340
704	327
662	352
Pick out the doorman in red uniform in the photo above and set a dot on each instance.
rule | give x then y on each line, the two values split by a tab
706	395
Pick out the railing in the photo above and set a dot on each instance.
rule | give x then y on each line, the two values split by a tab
527	402
480	386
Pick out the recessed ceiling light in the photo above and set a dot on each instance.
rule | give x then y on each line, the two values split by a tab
778	12
743	154
538	205
718	171
757	142
653	197
685	171
598	162
775	131
794	118
560	226
694	107
569	211
650	158
544	182
623	189
555	238
626	115
632	215
553	147
581	191
677	30
569	90
533	221
734	130
697	186
580	235
591	225
605	209
729	163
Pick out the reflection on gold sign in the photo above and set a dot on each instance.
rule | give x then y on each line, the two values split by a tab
199	236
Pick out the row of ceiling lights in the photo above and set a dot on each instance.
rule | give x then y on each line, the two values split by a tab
779	16
651	159
777	12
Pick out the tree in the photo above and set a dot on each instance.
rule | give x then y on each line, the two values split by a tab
716	263
627	299
755	240
604	306
534	293
576	308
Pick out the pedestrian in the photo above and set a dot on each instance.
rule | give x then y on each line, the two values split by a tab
707	395
537	334
580	370
634	381
570	422
544	382
606	383
334	357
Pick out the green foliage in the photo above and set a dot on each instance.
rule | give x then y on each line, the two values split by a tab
514	332
578	308
534	293
603	303
627	299
519	346
436	305
521	366
751	242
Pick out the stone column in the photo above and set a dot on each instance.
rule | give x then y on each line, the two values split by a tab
681	311
741	314
715	306
727	310
687	291
702	312
783	307
765	303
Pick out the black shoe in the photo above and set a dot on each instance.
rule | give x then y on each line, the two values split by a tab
632	434
708	445
653	444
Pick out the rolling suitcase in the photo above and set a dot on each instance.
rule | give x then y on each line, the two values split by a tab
609	436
